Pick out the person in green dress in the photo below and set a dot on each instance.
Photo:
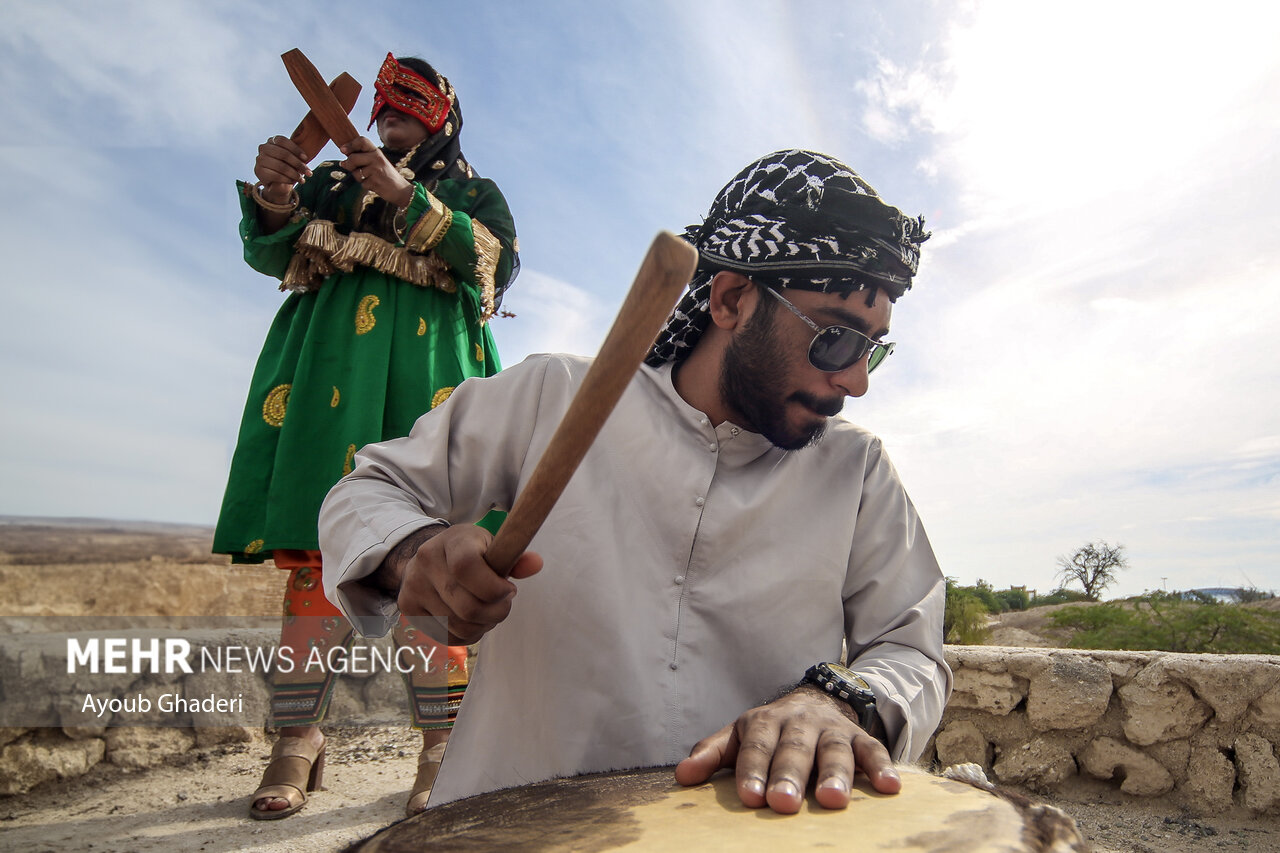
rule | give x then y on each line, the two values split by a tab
396	258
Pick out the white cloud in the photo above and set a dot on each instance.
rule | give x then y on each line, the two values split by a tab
551	316
159	71
900	102
1051	105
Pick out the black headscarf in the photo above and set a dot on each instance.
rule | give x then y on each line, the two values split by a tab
795	219
438	156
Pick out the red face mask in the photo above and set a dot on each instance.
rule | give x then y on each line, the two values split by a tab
420	98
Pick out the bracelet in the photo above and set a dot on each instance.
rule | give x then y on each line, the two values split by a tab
399	221
288	207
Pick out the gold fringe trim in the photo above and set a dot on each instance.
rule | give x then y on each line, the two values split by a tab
488	251
321	251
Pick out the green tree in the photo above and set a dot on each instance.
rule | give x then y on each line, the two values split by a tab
1094	566
983	591
964	620
1014	599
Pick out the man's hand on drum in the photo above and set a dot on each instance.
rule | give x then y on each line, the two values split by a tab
375	172
444	582
777	748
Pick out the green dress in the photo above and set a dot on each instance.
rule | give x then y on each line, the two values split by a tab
376	333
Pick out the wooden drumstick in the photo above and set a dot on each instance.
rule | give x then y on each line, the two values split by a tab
666	269
310	135
327	110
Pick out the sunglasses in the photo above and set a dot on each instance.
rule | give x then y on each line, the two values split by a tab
836	348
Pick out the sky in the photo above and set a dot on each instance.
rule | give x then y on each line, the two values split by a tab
1089	351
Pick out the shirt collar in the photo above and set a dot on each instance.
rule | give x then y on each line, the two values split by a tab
740	443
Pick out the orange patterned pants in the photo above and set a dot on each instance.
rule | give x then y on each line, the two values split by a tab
313	626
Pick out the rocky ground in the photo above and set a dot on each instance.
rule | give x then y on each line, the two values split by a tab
199	801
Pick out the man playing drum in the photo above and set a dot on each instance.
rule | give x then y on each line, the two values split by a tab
723	542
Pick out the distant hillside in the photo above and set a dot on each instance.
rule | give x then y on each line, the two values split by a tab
40	541
168	528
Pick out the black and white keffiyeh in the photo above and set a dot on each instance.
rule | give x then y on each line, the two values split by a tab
794	219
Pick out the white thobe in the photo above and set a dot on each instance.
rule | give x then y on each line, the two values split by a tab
691	572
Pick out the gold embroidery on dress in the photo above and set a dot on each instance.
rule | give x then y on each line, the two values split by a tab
335	399
365	200
274	406
479	353
488	251
254	547
402	165
365	321
347	463
441	395
422	327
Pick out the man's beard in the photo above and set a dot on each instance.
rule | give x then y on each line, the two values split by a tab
752	377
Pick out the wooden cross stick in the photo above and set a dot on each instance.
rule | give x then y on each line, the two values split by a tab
324	106
310	135
665	271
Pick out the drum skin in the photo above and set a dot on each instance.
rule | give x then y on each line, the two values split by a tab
646	809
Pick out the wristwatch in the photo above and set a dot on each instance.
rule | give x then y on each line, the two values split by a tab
847	686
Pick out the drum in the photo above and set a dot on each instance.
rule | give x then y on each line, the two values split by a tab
646	810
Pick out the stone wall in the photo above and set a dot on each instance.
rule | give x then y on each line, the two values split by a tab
45	735
1199	730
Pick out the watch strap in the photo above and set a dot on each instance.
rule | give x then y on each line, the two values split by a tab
858	697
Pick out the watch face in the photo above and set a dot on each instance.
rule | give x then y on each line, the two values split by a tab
848	675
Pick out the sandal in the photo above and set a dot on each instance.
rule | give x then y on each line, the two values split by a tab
428	768
296	768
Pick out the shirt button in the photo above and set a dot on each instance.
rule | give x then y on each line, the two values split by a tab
679	579
712	447
700	501
673	666
734	431
705	421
